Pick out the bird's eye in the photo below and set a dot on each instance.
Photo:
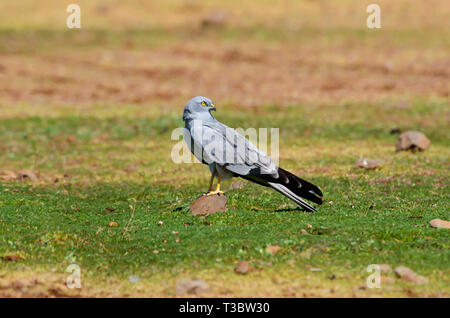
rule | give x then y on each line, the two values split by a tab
203	103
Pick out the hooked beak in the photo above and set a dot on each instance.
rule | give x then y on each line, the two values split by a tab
213	107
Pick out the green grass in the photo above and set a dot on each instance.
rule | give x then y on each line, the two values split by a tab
365	225
377	216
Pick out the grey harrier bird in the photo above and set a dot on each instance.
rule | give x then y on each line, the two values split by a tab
229	154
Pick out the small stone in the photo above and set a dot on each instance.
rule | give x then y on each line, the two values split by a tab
407	274
194	286
412	140
368	164
440	224
211	204
315	269
309	226
26	175
242	267
160	223
303	231
273	249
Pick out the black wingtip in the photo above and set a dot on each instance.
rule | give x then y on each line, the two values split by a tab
312	193
304	189
317	196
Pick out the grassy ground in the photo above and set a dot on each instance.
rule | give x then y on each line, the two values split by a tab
91	114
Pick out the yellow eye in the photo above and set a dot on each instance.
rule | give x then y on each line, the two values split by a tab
203	104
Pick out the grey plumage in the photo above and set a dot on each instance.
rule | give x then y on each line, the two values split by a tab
229	154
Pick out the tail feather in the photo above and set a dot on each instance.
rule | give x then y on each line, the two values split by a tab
290	186
288	193
300	187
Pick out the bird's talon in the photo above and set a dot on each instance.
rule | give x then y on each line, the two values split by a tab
213	193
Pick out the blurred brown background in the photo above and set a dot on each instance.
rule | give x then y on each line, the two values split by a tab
244	52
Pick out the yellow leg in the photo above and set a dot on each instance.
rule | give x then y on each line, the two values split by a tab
218	183
217	191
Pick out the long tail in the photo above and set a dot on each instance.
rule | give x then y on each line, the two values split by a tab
292	187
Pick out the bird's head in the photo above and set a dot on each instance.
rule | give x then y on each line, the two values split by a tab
198	108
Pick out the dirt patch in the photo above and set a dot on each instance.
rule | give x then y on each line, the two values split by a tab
240	73
264	282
